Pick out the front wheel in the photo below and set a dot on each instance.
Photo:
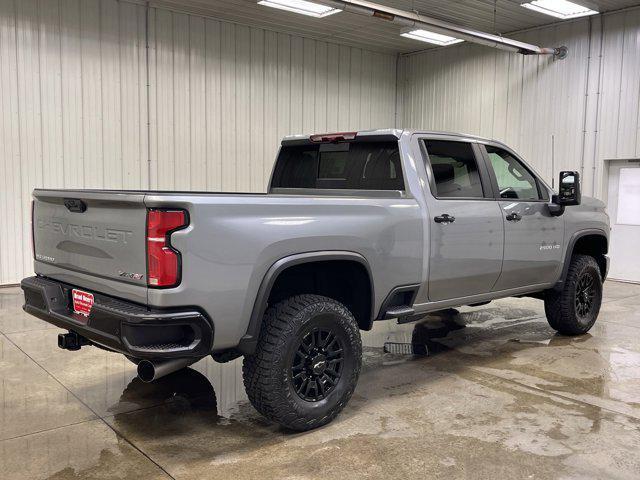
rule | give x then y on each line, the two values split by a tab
306	364
574	309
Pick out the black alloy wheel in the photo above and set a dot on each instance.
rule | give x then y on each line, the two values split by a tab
574	308
585	294
317	364
307	362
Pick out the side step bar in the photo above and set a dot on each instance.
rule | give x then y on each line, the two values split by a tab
398	303
399	312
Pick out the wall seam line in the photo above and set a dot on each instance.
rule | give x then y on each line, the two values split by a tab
62	110
40	86
395	109
15	26
586	99
206	105
122	159
82	129
101	96
596	139
622	63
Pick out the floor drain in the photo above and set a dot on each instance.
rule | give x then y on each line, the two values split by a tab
405	348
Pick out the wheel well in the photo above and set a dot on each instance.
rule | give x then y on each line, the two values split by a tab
345	281
595	246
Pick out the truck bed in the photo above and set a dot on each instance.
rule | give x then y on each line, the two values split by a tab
230	243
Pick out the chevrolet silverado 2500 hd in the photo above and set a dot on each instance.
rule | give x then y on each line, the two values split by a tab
355	227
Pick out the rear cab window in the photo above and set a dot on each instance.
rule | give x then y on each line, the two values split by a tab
357	165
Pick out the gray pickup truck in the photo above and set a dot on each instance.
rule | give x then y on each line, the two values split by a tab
356	227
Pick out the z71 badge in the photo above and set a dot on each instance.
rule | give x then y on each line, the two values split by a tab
133	276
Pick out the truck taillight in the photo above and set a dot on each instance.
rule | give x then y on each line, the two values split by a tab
163	261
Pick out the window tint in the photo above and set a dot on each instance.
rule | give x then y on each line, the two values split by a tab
332	165
455	169
514	180
356	165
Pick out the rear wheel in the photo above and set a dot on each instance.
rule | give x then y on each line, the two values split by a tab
574	309
307	362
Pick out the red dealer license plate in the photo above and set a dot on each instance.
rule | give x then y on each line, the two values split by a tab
82	302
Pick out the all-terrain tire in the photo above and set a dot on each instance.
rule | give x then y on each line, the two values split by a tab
308	320
565	309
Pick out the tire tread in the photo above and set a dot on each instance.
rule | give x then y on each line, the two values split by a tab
262	376
559	304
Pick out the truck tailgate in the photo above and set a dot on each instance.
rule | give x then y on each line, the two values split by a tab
92	238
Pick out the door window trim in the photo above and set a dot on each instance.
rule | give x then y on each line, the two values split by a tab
488	189
542	189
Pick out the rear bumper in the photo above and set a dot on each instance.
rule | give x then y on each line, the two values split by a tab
121	326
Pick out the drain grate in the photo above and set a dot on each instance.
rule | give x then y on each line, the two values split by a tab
406	348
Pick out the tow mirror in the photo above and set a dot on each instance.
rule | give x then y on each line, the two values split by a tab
569	188
569	192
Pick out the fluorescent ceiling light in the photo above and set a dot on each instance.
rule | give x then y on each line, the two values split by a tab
430	37
559	8
304	7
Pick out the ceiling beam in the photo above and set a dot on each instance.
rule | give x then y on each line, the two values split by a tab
416	20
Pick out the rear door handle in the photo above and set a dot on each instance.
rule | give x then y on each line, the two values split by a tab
514	217
444	218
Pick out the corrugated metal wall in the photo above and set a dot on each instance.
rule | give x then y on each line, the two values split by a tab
223	95
576	112
73	102
73	111
74	105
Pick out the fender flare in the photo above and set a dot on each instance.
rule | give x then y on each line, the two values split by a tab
569	252
249	341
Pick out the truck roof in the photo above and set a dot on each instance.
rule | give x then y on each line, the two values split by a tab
394	132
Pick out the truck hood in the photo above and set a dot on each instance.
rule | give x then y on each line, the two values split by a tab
592	202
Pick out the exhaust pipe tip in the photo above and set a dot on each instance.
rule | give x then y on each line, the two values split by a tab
146	371
150	370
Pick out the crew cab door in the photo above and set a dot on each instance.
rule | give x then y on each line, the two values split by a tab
533	238
465	221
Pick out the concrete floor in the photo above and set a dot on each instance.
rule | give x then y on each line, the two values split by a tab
498	396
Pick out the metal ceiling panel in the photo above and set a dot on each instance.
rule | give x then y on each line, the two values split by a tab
499	16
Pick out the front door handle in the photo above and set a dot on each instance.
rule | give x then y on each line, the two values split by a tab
444	218
514	217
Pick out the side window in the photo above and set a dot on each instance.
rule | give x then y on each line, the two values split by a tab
455	169
514	180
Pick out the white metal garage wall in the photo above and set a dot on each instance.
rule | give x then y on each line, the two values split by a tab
577	111
223	95
73	102
72	112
